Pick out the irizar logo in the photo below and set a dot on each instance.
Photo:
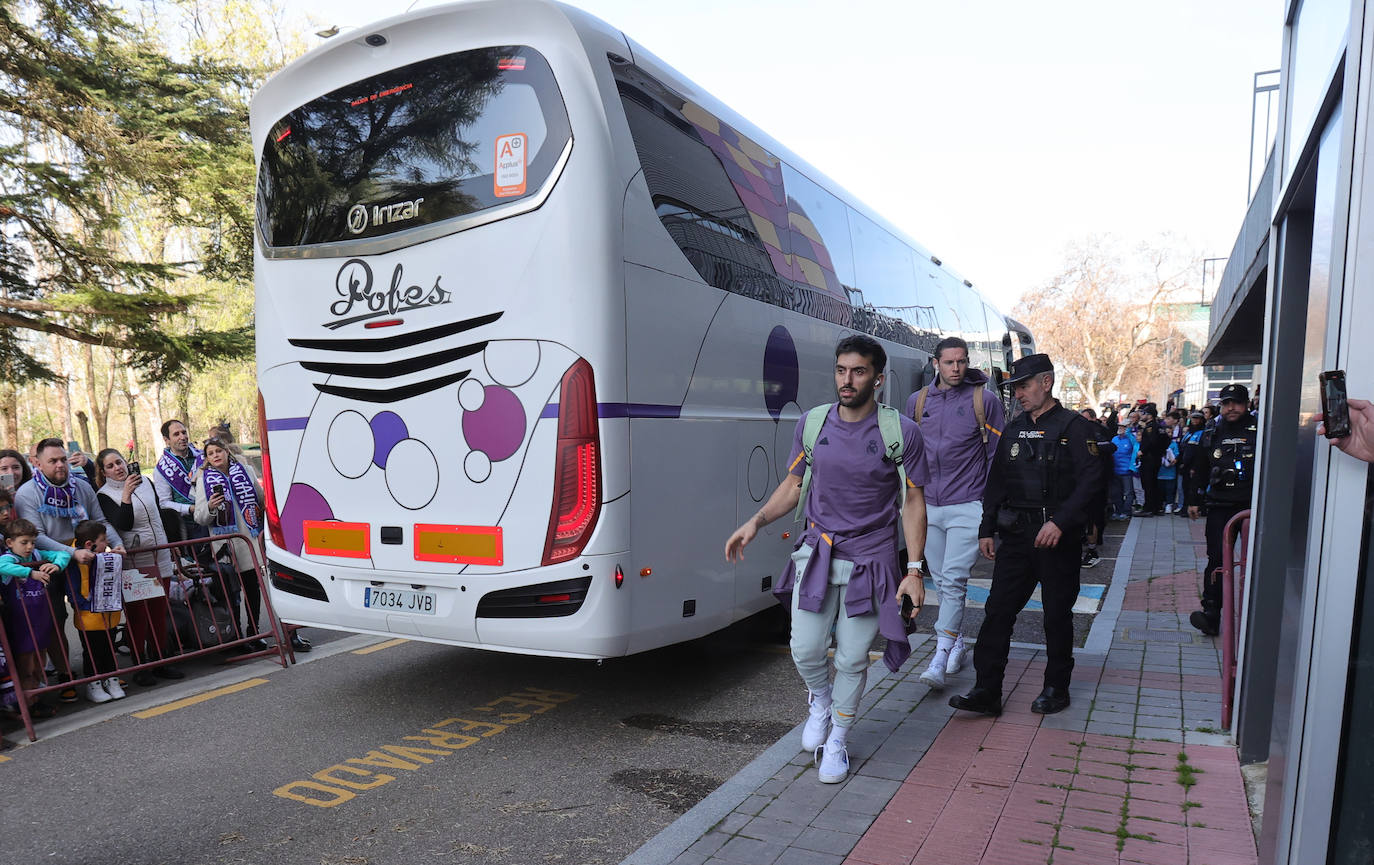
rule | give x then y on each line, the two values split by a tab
357	218
382	214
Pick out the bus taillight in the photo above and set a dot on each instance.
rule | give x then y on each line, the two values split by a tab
577	467
269	494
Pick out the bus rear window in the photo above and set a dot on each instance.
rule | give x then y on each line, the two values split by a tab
420	144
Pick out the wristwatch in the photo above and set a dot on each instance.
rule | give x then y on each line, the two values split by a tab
916	566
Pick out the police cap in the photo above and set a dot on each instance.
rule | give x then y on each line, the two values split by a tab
1029	366
1235	393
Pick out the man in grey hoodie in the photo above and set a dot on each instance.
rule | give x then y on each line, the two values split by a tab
960	444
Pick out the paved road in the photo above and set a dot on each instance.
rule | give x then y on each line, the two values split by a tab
405	752
410	753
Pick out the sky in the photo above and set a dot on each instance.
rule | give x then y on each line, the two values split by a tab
995	133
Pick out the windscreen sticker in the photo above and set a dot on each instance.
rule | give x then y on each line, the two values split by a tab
510	164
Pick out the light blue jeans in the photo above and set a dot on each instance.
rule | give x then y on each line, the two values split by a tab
854	636
951	549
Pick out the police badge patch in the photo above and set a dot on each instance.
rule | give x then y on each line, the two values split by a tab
1015	449
1092	447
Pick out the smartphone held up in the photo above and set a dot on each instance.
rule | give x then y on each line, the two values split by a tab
1335	407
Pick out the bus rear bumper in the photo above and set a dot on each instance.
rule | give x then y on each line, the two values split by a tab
573	609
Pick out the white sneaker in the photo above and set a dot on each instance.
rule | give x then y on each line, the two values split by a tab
817	721
833	762
112	688
97	694
956	656
934	676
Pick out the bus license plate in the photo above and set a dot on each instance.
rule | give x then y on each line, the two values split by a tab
400	600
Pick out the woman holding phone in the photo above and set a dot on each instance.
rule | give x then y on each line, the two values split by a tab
15	470
228	499
131	506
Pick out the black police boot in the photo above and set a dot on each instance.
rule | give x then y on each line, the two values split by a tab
1051	700
1207	620
980	700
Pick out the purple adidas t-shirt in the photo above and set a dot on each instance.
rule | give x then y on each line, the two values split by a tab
852	490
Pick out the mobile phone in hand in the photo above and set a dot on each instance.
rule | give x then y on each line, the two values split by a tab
908	608
1335	408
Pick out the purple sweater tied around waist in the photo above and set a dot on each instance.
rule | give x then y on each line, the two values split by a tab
875	578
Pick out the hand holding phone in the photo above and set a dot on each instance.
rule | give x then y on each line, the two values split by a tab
908	608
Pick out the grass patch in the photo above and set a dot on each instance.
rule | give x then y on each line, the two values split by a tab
1187	773
1190	804
1206	730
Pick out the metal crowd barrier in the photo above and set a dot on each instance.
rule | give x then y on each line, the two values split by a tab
1233	574
210	591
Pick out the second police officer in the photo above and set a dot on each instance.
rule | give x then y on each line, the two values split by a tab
1221	477
1046	475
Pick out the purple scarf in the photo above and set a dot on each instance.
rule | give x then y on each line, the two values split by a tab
238	488
174	471
59	501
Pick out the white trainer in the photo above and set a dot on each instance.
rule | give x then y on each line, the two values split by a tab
96	694
817	720
112	688
956	656
832	761
934	676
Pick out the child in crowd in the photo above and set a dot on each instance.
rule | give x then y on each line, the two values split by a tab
7	698
1120	491
1168	475
24	575
98	604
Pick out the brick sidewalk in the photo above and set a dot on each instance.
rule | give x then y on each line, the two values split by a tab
1134	771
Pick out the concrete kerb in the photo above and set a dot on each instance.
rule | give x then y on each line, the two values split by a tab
1104	625
686	830
170	692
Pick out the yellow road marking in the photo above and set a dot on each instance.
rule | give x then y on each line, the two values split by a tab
377	648
199	698
4	759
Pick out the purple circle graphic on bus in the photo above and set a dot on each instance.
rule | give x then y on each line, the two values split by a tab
303	502
781	375
387	430
498	427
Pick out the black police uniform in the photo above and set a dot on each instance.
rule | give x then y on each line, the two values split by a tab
1046	469
1221	476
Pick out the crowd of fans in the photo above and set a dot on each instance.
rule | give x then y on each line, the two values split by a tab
62	511
1151	458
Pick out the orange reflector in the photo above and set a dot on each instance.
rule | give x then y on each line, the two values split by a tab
644	572
459	545
786	535
619	577
554	599
346	540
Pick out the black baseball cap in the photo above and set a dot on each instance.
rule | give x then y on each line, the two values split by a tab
1029	366
1235	393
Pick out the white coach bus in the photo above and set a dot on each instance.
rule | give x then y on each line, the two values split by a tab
535	321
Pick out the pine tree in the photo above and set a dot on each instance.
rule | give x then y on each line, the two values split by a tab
96	120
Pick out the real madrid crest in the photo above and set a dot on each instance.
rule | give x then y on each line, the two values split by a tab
1015	449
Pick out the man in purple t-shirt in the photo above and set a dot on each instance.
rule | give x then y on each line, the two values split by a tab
960	444
847	556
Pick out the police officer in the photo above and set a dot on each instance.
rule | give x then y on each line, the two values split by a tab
1221	475
1046	475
